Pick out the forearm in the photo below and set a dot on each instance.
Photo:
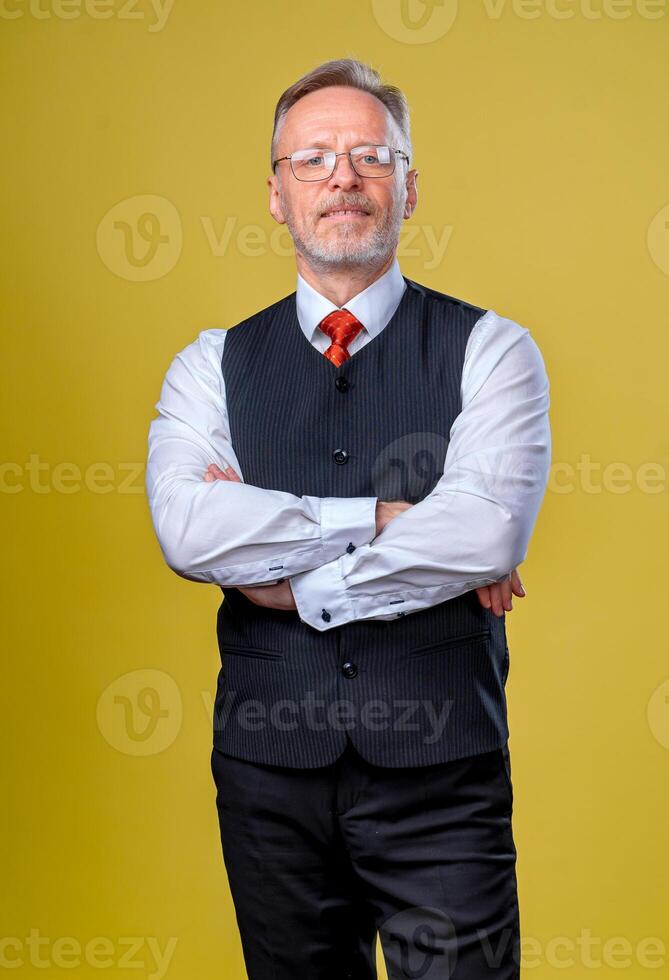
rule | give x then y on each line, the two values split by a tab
233	533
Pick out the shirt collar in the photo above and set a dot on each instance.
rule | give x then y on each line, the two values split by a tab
374	306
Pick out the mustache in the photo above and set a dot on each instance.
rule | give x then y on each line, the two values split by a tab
339	203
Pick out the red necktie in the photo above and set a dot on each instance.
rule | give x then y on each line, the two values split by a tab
341	326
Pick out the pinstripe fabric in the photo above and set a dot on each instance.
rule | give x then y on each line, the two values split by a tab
429	686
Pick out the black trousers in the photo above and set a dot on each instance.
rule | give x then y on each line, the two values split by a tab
320	861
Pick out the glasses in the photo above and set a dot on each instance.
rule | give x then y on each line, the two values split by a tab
319	164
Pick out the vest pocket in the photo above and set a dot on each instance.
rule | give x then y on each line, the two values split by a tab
448	642
255	652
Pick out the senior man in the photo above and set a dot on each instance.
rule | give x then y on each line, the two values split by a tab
359	467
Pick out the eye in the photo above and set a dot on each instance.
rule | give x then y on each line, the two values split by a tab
314	161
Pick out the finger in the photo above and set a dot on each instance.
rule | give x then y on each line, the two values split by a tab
496	599
505	592
218	473
209	477
228	473
484	596
517	585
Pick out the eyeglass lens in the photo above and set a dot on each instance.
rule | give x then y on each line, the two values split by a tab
367	161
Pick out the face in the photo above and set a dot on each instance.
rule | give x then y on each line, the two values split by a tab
339	118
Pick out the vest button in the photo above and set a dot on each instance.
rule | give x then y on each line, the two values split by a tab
326	616
340	456
350	547
342	384
348	669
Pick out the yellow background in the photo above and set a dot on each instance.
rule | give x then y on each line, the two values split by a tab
541	143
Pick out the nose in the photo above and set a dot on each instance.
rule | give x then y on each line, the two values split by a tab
344	175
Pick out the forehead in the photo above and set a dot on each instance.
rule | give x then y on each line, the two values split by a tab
336	116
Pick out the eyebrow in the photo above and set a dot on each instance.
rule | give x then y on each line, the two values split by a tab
320	143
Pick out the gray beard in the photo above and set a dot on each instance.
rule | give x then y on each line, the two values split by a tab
349	250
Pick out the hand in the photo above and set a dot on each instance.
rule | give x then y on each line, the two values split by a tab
386	510
498	595
279	596
215	472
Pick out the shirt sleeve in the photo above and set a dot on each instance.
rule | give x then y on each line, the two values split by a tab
225	532
474	528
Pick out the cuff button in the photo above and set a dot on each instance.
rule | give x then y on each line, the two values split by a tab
350	547
326	616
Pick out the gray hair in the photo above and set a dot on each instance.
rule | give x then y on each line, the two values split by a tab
346	71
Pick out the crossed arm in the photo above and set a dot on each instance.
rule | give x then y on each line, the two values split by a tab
471	532
497	597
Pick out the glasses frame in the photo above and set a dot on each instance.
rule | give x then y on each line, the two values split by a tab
344	153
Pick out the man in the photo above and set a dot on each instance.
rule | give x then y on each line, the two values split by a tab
359	467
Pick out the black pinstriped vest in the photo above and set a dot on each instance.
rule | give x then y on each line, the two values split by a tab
421	688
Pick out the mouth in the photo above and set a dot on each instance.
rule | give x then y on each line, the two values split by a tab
345	213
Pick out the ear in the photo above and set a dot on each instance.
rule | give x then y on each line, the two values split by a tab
275	199
412	193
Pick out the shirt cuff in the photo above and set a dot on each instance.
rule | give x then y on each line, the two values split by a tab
320	596
347	522
323	600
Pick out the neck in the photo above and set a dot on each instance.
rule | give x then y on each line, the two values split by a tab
340	284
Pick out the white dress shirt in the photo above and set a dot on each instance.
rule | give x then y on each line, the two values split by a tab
471	530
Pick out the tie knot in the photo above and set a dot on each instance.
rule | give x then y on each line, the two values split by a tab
341	326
